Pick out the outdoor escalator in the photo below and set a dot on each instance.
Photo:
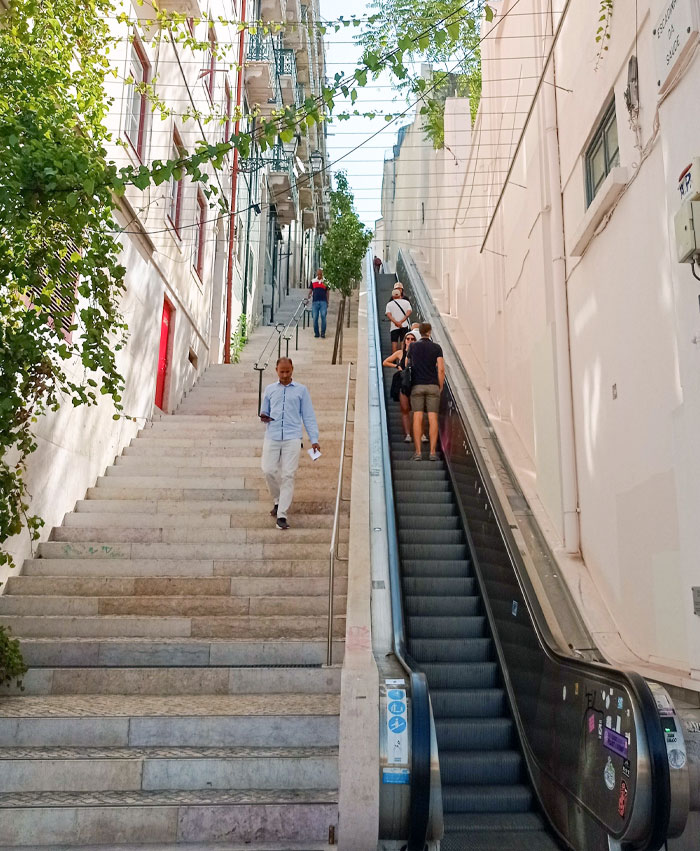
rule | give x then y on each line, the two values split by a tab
537	750
487	800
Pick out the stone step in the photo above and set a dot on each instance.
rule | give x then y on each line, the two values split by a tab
189	568
153	769
270	720
143	626
108	550
253	845
197	519
194	533
34	819
167	606
247	475
180	680
302	510
105	586
233	447
148	464
114	488
163	652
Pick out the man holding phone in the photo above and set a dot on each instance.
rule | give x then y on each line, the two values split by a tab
286	405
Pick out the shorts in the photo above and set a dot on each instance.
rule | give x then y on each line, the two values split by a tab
425	397
397	334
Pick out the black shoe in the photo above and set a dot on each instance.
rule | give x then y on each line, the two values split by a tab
282	523
323	336
316	335
273	513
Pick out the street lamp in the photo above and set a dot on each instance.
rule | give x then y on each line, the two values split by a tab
316	161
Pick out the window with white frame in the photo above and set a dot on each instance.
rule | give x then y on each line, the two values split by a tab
200	232
136	101
175	187
603	153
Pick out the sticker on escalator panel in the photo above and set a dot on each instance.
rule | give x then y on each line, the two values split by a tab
600	728
514	609
620	702
395	694
396	776
563	693
591	723
626	768
395	682
397	732
609	774
622	799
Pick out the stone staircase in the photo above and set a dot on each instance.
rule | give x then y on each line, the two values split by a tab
176	639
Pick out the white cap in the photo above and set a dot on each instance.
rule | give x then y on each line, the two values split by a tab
413	333
395	292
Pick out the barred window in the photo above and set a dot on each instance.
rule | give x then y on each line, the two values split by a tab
603	153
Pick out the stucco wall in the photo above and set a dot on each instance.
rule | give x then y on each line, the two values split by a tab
632	309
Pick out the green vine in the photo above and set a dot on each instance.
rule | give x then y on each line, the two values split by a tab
602	35
12	667
239	338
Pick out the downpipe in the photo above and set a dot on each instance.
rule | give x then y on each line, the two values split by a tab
567	449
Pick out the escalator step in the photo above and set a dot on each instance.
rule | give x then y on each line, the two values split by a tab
436	552
431	536
427	524
487	799
474	733
401	477
422	497
452	586
445	568
426	626
427	510
468	703
458	675
521	822
439	650
422	606
500	840
480	768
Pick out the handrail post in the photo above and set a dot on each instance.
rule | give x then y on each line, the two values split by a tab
334	534
260	375
296	345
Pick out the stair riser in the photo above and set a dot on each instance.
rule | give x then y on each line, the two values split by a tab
193	534
205	731
179	681
107	551
44	626
178	568
301	509
74	826
88	775
115	653
203	519
118	488
204	586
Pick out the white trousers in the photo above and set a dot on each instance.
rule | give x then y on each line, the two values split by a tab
280	459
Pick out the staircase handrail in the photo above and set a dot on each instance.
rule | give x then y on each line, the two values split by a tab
279	331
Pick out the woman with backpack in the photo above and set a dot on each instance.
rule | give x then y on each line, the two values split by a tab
401	383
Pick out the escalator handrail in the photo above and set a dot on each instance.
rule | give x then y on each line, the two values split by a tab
419	808
660	776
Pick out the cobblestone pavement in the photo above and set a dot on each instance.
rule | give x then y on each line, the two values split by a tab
72	706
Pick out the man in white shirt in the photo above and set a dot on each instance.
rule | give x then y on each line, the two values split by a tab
398	310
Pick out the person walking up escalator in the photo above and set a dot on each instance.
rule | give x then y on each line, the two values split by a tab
427	380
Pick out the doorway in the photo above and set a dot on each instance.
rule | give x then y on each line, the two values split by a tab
163	352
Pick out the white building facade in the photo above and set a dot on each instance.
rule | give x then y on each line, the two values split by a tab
193	270
545	230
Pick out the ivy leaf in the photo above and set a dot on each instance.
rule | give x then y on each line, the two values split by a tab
353	95
453	30
361	76
489	13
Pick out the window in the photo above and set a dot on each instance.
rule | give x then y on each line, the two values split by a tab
61	299
136	105
200	235
603	153
176	187
227	105
211	71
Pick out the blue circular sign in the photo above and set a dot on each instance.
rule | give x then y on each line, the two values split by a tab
397	707
397	724
395	694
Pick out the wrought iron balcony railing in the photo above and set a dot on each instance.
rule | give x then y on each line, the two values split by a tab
260	47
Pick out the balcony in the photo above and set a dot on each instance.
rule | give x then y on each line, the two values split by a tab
293	31
287	73
308	219
273	10
282	183
260	72
303	56
305	185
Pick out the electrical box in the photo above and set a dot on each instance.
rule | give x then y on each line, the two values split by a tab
687	227
689	181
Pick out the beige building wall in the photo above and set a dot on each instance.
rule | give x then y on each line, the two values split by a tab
561	292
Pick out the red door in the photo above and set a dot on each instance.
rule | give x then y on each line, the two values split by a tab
163	352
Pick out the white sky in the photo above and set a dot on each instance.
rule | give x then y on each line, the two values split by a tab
364	166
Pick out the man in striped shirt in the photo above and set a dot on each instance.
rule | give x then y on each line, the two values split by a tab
286	405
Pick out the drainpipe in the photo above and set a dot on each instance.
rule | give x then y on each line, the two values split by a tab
234	185
569	478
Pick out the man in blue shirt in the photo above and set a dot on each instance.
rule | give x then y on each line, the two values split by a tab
285	406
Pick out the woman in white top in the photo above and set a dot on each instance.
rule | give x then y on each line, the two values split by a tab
398	310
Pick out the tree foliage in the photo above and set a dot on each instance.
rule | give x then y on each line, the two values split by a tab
442	32
346	241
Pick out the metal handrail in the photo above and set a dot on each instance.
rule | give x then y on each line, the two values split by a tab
333	555
278	332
